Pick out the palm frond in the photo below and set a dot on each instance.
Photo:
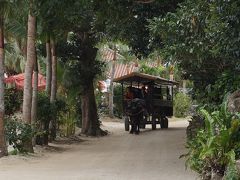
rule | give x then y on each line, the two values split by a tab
14	60
16	29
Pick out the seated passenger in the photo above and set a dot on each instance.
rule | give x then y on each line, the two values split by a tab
137	93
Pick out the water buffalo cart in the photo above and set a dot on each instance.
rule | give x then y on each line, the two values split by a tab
152	102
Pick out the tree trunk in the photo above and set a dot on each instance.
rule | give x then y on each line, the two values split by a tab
46	130
184	86
31	55
49	67
3	147
90	123
53	123
111	88
35	93
54	72
34	96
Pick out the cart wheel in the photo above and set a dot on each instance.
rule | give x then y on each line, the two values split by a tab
143	126
153	123
165	123
143	123
126	124
162	123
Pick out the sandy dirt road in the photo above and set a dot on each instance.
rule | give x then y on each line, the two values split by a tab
152	155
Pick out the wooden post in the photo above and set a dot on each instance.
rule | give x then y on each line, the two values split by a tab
123	99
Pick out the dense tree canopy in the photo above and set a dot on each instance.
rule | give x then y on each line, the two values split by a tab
127	21
203	38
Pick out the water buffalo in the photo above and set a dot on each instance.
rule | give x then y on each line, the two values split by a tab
135	109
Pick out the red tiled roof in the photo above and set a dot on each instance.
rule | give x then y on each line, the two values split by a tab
121	68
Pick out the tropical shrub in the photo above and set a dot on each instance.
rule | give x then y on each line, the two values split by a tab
47	112
78	110
195	124
44	111
213	95
181	105
117	101
102	102
18	133
67	114
13	100
44	115
60	106
214	150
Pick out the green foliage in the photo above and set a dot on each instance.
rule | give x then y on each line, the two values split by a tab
231	172
13	152
181	105
13	100
195	124
44	110
67	123
202	37
78	110
44	116
117	101
14	59
59	108
98	97
102	103
18	133
156	71
216	147
81	66
115	13
61	111
47	111
67	113
215	93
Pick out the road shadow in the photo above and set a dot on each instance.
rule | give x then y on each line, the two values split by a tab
68	140
51	148
60	145
170	129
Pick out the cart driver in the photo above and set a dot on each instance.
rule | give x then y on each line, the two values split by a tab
129	94
144	92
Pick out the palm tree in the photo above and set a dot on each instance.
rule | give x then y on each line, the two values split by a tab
111	89
48	66
35	92
15	35
51	13
3	149
31	56
5	7
14	59
54	72
53	87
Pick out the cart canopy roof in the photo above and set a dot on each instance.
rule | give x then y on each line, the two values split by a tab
136	78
